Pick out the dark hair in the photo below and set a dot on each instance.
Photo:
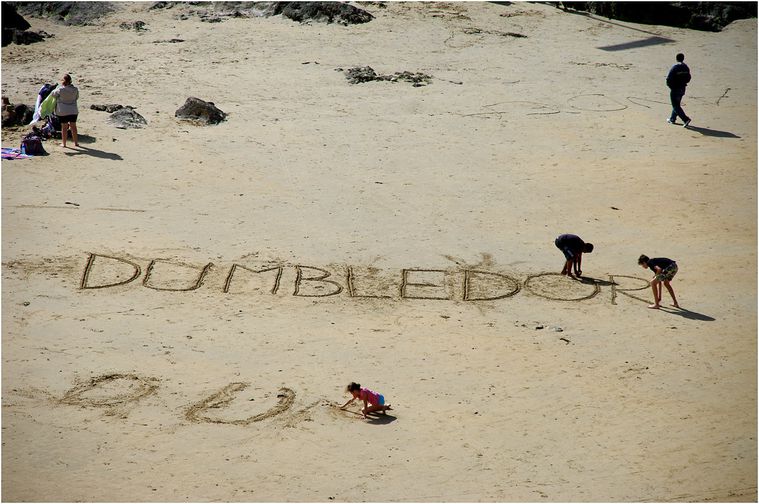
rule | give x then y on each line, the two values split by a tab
643	259
66	79
588	248
352	386
680	57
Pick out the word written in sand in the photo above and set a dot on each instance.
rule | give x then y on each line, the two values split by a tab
115	392
465	284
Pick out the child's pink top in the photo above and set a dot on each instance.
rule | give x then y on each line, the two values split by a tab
367	395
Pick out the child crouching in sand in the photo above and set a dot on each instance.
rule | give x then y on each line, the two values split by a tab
664	271
377	401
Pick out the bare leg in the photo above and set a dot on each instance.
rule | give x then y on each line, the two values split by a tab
64	133
671	293
656	287
74	134
373	408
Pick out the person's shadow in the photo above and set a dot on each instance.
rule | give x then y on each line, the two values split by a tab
81	150
380	418
687	313
712	132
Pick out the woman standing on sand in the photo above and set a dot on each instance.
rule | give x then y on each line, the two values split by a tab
66	109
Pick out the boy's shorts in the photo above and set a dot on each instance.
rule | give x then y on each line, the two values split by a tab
567	252
381	400
667	273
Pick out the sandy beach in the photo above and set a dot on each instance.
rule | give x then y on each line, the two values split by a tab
183	305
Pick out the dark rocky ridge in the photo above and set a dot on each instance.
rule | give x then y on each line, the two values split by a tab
708	16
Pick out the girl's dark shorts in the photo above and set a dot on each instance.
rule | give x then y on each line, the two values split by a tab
68	118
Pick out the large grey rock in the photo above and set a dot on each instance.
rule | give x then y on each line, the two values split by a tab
126	118
199	111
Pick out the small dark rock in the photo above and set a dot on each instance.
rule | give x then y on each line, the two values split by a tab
137	26
110	108
195	109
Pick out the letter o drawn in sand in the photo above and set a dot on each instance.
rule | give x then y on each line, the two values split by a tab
222	398
595	103
560	286
110	390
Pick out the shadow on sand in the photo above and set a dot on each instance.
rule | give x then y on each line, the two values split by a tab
94	153
687	314
712	132
380	419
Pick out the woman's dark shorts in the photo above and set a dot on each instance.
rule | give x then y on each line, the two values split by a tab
68	119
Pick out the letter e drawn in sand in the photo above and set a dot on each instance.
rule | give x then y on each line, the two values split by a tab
299	279
192	287
223	398
560	289
85	283
405	284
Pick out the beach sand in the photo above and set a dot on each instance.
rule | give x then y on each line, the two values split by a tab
357	232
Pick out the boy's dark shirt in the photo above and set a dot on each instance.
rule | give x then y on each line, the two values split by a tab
573	242
675	77
661	262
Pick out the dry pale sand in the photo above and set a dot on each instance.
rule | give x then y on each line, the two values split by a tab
227	392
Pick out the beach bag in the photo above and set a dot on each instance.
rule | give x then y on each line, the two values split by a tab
31	144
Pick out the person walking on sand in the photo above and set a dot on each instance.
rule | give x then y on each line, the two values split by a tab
66	108
372	400
677	78
572	247
664	271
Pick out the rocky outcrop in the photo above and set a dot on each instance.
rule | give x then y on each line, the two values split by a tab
708	16
302	12
16	28
199	111
68	13
329	12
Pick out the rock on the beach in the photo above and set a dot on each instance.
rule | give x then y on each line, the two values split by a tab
195	109
12	19
710	16
331	12
126	118
68	13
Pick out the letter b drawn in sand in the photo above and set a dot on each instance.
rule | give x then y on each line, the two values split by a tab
299	279
223	398
112	270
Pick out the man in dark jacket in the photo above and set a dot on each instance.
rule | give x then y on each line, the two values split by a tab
677	78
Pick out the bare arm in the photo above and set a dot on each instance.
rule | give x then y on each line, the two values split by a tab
346	404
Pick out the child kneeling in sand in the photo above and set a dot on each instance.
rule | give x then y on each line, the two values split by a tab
664	271
376	400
